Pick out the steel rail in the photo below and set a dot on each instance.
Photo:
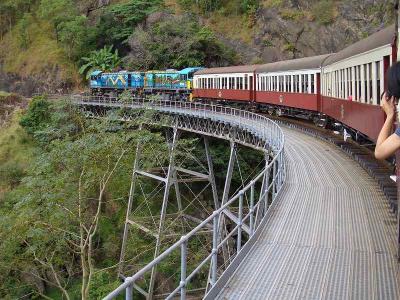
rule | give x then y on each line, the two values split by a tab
261	126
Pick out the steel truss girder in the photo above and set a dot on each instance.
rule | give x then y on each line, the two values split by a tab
197	124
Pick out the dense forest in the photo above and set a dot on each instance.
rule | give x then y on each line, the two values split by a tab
64	178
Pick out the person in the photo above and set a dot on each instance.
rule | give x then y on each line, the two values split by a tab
388	143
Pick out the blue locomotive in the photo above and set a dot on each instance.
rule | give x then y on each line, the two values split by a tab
171	84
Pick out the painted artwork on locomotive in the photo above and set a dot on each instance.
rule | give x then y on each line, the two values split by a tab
160	80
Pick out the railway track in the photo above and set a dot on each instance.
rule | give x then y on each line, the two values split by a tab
379	170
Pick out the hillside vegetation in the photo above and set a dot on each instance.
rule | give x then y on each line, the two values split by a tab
42	42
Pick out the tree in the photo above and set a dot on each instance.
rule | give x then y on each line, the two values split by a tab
56	11
118	21
103	59
37	115
176	42
51	230
72	34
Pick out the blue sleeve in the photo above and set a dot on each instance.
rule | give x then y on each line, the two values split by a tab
397	131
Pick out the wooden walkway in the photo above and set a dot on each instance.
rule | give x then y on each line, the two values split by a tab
331	235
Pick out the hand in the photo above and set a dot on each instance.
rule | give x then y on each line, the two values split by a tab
388	106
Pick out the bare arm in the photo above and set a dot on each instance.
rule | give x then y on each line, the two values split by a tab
387	143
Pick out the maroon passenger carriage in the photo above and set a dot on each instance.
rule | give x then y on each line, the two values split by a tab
344	87
353	80
226	83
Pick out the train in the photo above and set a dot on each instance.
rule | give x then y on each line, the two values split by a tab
171	84
340	90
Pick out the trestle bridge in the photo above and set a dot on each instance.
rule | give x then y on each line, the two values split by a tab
312	224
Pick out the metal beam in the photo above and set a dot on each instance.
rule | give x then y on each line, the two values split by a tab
143	228
211	175
164	207
129	208
229	172
159	178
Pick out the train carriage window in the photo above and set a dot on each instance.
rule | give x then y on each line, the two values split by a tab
369	83
359	83
266	82
245	82
312	83
305	83
365	87
378	82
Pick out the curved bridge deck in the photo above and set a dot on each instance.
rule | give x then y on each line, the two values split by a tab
331	235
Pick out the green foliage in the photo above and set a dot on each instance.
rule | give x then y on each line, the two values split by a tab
292	14
249	6
176	43
37	115
274	3
324	12
69	26
11	11
56	11
11	173
40	216
23	31
72	34
104	59
118	21
204	6
103	283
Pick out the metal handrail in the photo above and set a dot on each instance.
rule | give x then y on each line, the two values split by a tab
269	131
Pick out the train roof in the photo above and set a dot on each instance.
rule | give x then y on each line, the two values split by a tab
376	40
188	70
304	63
96	72
226	70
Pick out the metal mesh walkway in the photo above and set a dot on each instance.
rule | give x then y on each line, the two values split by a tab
331	235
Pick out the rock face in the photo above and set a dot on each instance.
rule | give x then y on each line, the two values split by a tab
48	82
294	29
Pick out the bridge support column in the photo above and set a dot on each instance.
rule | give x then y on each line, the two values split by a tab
168	183
129	208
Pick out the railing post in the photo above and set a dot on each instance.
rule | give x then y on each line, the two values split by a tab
214	260
252	209
129	290
183	267
274	180
240	217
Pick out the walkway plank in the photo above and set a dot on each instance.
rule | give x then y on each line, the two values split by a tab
331	236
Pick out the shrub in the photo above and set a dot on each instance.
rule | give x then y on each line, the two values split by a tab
37	115
325	12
